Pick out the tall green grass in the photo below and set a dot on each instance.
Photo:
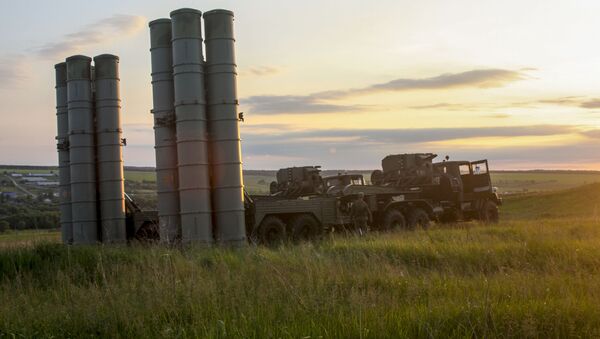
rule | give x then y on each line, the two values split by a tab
518	279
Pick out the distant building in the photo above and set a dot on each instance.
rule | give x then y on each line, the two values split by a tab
40	174
16	175
47	183
33	179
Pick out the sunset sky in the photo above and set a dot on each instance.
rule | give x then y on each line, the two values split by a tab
338	83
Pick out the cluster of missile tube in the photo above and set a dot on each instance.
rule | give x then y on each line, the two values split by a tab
200	195
92	205
197	140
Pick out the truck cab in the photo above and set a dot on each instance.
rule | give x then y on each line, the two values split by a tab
466	191
334	185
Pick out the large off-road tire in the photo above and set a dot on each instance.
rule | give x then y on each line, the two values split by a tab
271	231
305	228
393	220
418	217
489	213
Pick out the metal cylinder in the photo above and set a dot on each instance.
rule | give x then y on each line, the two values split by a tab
165	145
81	150
109	149
62	145
222	106
192	139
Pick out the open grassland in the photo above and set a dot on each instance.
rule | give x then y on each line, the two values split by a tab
536	181
536	274
571	204
257	182
27	238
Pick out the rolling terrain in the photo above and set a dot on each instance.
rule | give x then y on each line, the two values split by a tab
536	274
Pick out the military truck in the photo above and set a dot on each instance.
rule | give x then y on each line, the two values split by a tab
140	225
410	190
317	205
466	191
462	189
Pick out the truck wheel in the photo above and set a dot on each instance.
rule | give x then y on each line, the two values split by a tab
418	217
271	231
489	212
305	227
393	220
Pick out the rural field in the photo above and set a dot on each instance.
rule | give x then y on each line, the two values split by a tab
506	181
535	274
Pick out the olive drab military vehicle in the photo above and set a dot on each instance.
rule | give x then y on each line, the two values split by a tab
303	205
293	182
140	225
462	189
410	190
466	191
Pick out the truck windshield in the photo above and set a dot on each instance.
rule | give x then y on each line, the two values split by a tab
480	168
357	181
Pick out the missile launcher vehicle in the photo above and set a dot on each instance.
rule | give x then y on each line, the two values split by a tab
410	190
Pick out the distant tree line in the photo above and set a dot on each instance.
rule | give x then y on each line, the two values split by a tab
28	214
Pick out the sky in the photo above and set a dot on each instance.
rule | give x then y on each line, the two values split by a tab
339	84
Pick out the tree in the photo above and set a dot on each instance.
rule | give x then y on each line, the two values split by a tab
4	225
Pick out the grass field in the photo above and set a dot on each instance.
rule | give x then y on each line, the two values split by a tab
536	274
536	181
507	182
510	182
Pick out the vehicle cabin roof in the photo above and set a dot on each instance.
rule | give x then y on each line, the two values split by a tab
343	176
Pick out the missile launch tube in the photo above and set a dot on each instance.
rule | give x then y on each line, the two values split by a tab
223	122
165	145
192	139
81	150
109	149
62	138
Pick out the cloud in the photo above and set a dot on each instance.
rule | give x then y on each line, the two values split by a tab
593	133
138	127
592	103
261	70
364	148
479	78
14	70
319	102
499	116
280	104
574	101
442	105
412	135
102	31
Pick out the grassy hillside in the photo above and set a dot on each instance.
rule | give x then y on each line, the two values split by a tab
536	181
257	181
519	279
536	274
574	203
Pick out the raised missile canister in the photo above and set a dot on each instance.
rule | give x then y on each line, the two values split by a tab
82	150
62	145
109	149
192	138
222	106
165	145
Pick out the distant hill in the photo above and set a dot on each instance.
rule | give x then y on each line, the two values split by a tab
578	202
